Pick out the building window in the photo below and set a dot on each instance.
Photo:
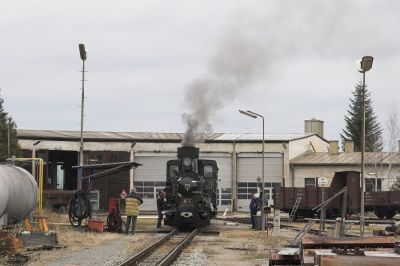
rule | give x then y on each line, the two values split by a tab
224	196
310	182
370	184
208	170
246	188
148	189
173	169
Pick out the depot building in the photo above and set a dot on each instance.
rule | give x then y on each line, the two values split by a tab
238	157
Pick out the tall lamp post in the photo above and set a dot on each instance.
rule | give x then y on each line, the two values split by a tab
255	115
365	65
82	52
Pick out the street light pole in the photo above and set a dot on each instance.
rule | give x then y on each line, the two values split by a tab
8	138
82	52
365	65
255	115
362	217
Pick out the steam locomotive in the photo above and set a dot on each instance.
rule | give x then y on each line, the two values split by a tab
191	190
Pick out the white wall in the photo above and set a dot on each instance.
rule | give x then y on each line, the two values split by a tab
298	147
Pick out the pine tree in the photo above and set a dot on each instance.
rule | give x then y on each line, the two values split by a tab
353	120
7	126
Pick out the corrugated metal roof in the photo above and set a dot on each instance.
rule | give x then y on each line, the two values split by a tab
152	136
268	136
349	158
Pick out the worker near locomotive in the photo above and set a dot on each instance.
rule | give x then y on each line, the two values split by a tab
385	204
160	207
133	201
191	189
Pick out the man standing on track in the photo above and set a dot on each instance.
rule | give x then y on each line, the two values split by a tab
133	201
253	209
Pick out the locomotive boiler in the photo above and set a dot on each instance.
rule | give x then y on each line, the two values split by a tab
191	190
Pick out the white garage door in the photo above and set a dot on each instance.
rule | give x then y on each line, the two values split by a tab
150	177
249	169
224	162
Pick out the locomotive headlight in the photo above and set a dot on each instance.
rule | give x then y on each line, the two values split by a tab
187	162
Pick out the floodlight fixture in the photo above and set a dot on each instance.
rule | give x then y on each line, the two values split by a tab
82	51
366	64
248	113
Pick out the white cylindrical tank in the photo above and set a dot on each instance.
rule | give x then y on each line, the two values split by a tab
18	193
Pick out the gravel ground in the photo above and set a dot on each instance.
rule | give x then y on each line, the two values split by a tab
236	245
102	254
196	257
111	252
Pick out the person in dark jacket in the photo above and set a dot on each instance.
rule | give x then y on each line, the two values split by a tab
160	207
253	210
133	201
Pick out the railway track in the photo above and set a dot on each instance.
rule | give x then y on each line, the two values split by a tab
284	224
168	249
246	220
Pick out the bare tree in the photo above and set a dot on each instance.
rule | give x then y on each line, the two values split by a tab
393	129
380	163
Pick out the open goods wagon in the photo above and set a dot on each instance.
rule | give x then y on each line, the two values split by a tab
385	204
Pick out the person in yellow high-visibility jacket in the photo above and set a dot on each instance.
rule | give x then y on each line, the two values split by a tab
133	201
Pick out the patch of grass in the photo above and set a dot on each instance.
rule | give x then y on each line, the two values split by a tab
260	254
73	237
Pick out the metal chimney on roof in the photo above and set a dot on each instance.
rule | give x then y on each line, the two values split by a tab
314	126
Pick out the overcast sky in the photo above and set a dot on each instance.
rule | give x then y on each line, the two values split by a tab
296	60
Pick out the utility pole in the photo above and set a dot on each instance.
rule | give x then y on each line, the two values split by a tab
82	52
8	138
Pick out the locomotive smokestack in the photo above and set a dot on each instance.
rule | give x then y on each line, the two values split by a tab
188	152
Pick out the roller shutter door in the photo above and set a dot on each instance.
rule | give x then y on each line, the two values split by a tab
150	177
249	168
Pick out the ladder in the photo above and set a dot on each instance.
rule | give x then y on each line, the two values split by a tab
294	210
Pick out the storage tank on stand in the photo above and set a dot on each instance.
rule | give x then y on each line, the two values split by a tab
18	193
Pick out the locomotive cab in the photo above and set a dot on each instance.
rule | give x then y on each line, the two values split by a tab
191	186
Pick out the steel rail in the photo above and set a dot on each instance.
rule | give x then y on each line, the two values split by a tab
147	251
174	254
246	220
